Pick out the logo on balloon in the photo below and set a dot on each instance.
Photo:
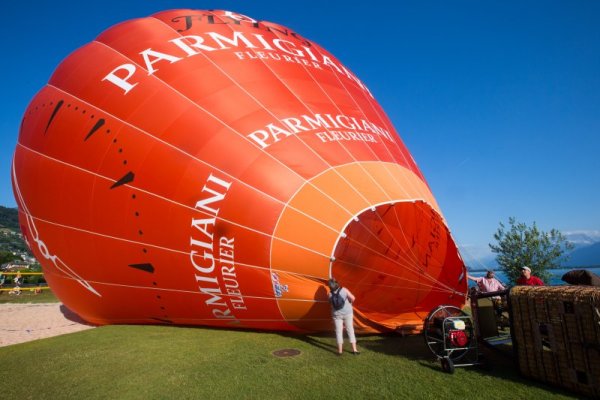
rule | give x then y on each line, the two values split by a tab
278	288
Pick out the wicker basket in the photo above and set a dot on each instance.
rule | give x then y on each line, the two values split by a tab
556	334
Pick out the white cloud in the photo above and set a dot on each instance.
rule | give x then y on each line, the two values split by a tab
583	237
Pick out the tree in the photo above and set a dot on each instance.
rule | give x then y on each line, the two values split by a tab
521	245
7	256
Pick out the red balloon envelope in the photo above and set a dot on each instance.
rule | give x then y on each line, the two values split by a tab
204	168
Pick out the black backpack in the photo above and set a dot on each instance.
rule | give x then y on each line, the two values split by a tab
337	301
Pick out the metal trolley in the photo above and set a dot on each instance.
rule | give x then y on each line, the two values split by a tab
450	335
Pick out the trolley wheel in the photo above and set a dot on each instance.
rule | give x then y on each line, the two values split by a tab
447	365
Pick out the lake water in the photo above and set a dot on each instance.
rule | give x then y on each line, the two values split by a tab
555	280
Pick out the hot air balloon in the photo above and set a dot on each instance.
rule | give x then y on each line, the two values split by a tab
205	168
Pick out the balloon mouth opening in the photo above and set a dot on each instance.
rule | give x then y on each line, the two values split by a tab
391	256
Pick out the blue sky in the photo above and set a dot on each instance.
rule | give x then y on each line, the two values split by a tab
499	102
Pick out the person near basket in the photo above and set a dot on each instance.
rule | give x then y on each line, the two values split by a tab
488	284
528	279
343	316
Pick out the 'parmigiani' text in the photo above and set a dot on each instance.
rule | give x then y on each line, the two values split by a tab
213	258
336	128
126	76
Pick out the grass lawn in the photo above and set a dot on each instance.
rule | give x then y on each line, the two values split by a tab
165	362
27	296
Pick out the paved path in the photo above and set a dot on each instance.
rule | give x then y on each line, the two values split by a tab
21	323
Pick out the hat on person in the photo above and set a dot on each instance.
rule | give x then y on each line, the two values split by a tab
526	269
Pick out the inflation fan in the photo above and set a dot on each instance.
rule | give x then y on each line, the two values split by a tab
450	335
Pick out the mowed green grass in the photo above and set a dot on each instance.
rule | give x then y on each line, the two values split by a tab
27	296
165	362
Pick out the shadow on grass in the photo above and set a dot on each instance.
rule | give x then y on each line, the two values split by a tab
497	362
412	347
323	341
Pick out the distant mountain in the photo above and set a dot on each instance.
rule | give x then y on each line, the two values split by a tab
584	256
587	248
583	238
491	261
488	262
478	258
9	218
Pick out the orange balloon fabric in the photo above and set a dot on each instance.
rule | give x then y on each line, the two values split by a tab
204	168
